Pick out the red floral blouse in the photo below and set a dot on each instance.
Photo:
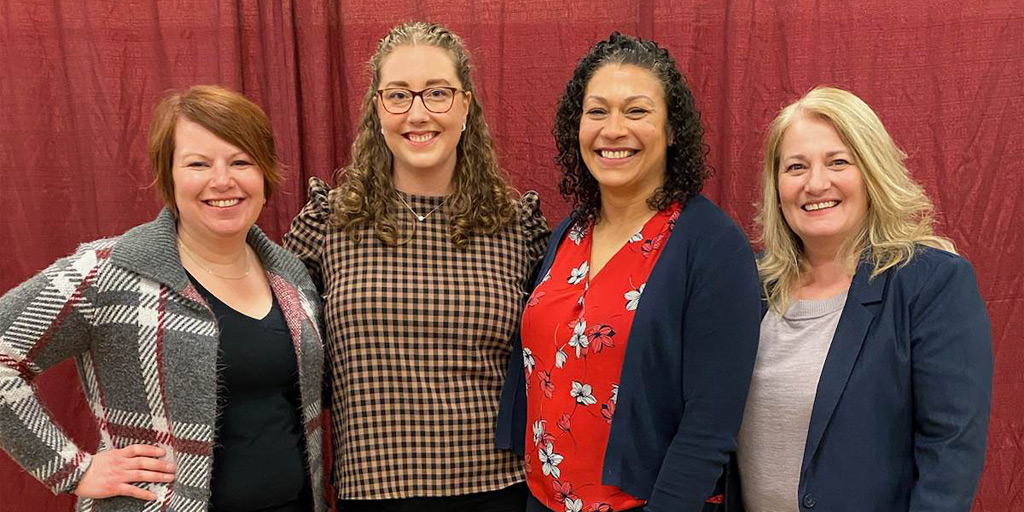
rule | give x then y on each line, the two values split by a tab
574	332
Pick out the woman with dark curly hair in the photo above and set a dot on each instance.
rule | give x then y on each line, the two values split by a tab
639	339
423	253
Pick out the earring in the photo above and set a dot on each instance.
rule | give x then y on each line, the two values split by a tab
463	126
382	130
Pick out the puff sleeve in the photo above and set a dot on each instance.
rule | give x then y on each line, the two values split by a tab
535	232
305	236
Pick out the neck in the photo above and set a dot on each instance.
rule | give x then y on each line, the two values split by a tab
425	183
216	250
825	269
623	210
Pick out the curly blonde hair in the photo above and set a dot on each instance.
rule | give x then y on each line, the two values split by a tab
899	215
481	201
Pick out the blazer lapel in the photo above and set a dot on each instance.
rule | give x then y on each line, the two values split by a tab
853	326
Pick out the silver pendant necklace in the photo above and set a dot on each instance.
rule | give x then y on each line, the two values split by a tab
419	217
188	252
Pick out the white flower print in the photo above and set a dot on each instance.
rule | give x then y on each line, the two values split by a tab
560	357
547	275
576	234
578	273
633	297
573	505
550	460
615	394
583	393
636	237
538	431
528	361
579	339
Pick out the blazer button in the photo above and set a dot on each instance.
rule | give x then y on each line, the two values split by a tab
809	501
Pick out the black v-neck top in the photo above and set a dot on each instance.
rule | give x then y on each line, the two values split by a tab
259	459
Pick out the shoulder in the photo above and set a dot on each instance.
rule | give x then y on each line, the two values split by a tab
312	221
305	236
706	217
279	260
530	216
528	207
318	203
88	258
705	227
931	270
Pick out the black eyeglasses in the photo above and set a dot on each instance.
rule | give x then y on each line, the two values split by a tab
398	100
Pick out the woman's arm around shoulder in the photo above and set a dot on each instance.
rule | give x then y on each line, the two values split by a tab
951	357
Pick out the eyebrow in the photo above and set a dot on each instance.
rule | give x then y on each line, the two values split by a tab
200	155
430	83
830	154
628	100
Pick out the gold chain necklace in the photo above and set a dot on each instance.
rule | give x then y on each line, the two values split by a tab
248	263
419	217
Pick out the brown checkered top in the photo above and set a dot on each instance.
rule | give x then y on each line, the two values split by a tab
418	341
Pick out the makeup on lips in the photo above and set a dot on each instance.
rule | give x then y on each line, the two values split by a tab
820	206
616	156
222	203
421	139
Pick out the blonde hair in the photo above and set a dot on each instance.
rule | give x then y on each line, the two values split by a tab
226	114
481	199
899	214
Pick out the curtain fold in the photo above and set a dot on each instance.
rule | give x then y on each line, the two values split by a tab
79	80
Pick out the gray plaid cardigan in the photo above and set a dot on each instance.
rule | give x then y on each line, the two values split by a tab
145	343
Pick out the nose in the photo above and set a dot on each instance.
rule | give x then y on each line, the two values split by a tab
418	111
220	175
614	127
818	179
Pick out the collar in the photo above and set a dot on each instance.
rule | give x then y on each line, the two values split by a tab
151	250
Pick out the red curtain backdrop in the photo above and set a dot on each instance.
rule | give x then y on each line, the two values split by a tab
79	80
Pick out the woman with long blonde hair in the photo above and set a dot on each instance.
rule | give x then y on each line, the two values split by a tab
423	253
872	384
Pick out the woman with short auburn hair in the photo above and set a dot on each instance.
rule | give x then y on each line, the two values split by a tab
195	335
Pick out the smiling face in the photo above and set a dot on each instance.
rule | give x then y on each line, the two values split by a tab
821	191
218	190
623	130
422	142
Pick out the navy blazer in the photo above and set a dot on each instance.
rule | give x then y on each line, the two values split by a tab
686	370
901	412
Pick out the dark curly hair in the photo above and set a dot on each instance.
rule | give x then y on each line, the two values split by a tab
685	168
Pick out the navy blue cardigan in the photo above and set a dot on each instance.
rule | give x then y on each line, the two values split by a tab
686	370
901	412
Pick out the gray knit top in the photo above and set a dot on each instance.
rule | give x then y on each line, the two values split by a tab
790	357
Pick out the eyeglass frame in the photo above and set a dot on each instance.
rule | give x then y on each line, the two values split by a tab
419	94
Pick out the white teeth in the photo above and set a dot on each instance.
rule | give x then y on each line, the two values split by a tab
420	138
615	155
223	203
820	206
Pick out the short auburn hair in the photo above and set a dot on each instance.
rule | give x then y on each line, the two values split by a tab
226	114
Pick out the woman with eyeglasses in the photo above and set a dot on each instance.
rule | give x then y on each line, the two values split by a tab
423	253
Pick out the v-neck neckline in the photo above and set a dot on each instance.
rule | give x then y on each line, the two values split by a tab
638	237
